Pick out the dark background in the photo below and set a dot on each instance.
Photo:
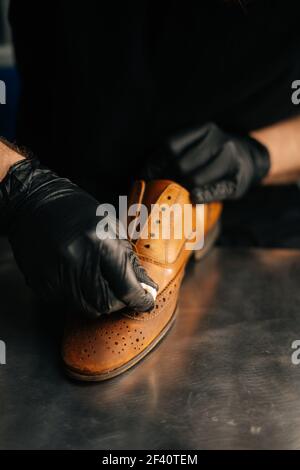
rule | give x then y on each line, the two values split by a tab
8	74
99	138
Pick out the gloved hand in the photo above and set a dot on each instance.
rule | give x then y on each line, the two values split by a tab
52	230
211	164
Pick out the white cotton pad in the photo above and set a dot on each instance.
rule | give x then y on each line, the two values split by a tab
150	290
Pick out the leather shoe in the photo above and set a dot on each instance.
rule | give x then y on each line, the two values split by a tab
95	350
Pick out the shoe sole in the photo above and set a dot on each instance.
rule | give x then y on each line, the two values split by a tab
73	374
115	372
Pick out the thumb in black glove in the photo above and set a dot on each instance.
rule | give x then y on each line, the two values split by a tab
52	230
210	163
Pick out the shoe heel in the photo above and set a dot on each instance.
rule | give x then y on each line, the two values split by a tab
209	241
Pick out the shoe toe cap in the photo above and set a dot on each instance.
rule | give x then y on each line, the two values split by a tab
101	346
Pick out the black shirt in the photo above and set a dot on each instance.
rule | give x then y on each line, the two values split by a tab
104	84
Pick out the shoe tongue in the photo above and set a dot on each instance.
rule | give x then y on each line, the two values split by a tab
153	190
147	193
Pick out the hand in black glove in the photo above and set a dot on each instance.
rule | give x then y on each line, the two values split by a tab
211	164
52	230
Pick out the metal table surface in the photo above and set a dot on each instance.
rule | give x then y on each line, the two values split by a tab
222	378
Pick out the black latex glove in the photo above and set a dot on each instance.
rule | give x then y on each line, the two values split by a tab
211	164
52	230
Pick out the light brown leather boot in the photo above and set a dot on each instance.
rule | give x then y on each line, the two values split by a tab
95	350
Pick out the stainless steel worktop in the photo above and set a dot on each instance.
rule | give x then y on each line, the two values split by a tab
222	378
